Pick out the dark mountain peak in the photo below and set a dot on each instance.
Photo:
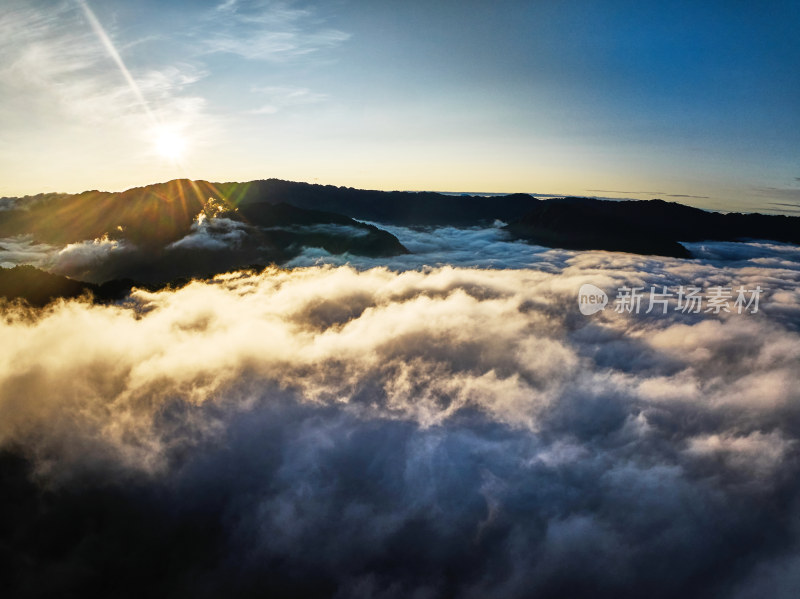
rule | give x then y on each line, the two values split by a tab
283	214
37	287
392	207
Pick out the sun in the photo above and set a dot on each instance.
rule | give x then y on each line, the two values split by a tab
169	144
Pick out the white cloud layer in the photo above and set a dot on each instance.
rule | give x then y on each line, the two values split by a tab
217	233
79	260
86	255
435	431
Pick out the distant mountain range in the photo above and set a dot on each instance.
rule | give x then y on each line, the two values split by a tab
156	215
180	229
184	229
642	227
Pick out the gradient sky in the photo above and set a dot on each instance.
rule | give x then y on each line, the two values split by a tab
694	101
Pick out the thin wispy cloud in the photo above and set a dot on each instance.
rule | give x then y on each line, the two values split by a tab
63	64
278	98
786	195
787	204
270	31
57	60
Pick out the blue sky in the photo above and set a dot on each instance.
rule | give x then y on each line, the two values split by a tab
680	100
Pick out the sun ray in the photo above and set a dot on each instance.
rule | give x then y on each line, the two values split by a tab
115	56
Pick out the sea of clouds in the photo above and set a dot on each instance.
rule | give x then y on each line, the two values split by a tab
444	424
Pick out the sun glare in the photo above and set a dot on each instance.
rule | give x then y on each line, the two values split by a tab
169	144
